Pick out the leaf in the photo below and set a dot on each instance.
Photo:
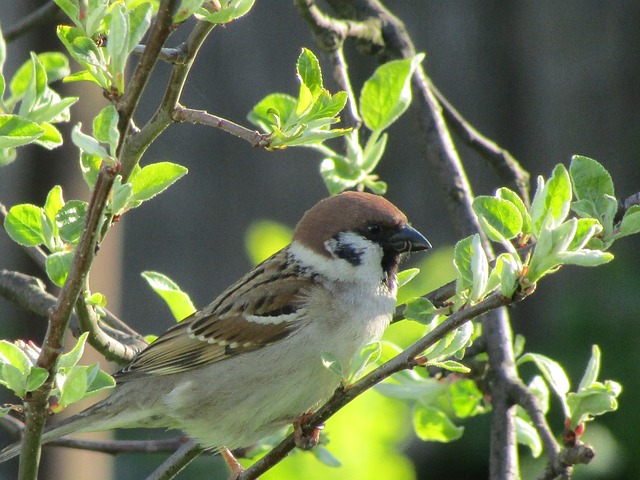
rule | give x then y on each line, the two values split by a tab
462	254
57	266
595	400
105	127
526	434
16	131
369	353
465	398
71	358
552	201
53	203
406	276
630	222
502	215
139	22
186	9
450	365
585	258
178	301
433	425
231	10
71	8
264	238
117	41
331	363
74	387
513	197
87	143
387	94
90	167
479	270
591	182
310	77
326	457
51	138
14	379
24	224
70	220
273	110
37	377
553	373
425	391
100	381
420	310
10	354
155	178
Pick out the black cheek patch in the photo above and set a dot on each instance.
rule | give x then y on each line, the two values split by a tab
348	253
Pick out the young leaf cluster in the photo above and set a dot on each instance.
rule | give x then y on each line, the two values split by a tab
305	120
31	108
72	382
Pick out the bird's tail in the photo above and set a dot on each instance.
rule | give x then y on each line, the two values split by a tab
84	421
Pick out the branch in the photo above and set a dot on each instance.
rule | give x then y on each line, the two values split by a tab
256	139
176	462
59	317
503	163
404	360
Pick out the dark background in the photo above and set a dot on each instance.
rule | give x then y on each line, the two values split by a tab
545	80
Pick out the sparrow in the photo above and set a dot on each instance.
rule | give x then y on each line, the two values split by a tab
250	363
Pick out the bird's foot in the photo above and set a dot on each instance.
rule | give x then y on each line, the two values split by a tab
305	435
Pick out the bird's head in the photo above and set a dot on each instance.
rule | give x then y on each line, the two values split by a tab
355	237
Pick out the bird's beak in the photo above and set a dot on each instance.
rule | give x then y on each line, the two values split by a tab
408	239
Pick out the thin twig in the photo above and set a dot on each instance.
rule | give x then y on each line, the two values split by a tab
255	138
507	168
341	76
176	462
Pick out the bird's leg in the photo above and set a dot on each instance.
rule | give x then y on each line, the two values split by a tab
306	436
230	460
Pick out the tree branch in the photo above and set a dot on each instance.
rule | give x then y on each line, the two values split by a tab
41	16
256	139
176	462
35	405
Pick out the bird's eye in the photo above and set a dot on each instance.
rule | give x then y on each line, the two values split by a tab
374	228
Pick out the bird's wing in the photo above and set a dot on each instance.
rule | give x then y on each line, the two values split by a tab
265	306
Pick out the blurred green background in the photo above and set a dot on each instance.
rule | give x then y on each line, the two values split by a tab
545	80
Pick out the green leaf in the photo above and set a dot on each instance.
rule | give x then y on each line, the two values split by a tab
387	94
585	258
90	167
513	197
368	354
466	398
526	434
553	373
139	22
74	386
451	344
24	224
155	178
331	363
99	381
71	8
57	266
12	355
14	379
479	270
51	138
630	222
501	215
406	276
462	254
71	358
35	88
595	400
16	131
70	220
593	369
53	203
273	110
37	377
117	43
509	271
121	197
178	301
539	388
419	310
3	54
585	230
310	77
326	457
552	201
87	143
433	425
231	10
105	127
264	238
7	155
591	182
450	365
186	9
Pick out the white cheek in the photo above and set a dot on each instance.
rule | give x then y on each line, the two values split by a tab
369	269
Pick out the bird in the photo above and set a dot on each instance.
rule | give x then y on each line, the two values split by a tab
250	363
